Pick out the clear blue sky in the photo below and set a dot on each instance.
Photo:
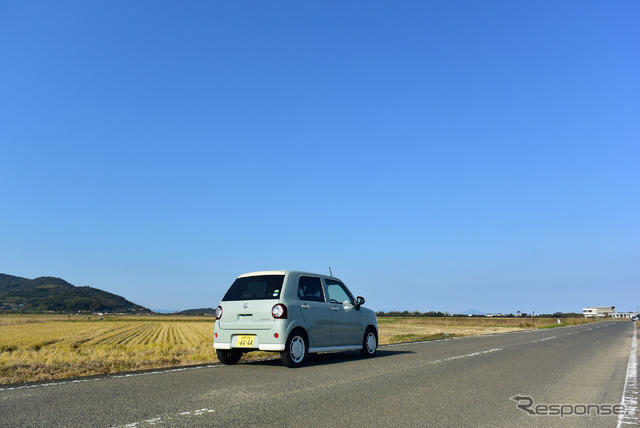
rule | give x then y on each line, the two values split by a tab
438	155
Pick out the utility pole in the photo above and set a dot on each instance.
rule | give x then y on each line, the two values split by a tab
533	317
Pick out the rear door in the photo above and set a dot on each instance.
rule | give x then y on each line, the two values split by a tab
315	310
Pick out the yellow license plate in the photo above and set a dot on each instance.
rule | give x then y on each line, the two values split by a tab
245	341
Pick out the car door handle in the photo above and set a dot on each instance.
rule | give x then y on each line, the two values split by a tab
305	306
335	308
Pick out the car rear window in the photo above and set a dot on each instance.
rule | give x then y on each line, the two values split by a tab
255	288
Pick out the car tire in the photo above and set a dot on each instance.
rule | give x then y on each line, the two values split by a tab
228	357
369	343
295	350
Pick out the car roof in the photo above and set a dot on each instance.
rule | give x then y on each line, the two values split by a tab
283	272
264	272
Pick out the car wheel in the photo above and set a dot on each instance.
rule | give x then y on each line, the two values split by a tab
228	357
369	343
295	350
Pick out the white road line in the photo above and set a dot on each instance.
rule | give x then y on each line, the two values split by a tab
630	392
546	338
458	357
112	376
393	345
160	420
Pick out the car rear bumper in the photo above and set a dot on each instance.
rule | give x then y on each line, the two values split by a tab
262	347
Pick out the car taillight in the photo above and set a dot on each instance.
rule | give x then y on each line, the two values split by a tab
279	311
219	312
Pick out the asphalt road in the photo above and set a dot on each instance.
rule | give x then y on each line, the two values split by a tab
467	382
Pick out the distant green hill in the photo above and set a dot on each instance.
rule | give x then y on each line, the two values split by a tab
48	294
201	311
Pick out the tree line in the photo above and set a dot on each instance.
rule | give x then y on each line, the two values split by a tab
447	314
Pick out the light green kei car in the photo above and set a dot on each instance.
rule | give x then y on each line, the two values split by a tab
294	313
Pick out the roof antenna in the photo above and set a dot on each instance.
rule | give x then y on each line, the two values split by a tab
330	273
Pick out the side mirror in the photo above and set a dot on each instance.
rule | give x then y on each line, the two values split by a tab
359	302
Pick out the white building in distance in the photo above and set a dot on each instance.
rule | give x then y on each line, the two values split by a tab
598	311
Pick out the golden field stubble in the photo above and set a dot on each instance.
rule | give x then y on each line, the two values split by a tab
56	349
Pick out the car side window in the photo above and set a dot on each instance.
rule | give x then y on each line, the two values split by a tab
338	293
310	288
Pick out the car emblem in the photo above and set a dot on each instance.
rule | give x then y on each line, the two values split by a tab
245	306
